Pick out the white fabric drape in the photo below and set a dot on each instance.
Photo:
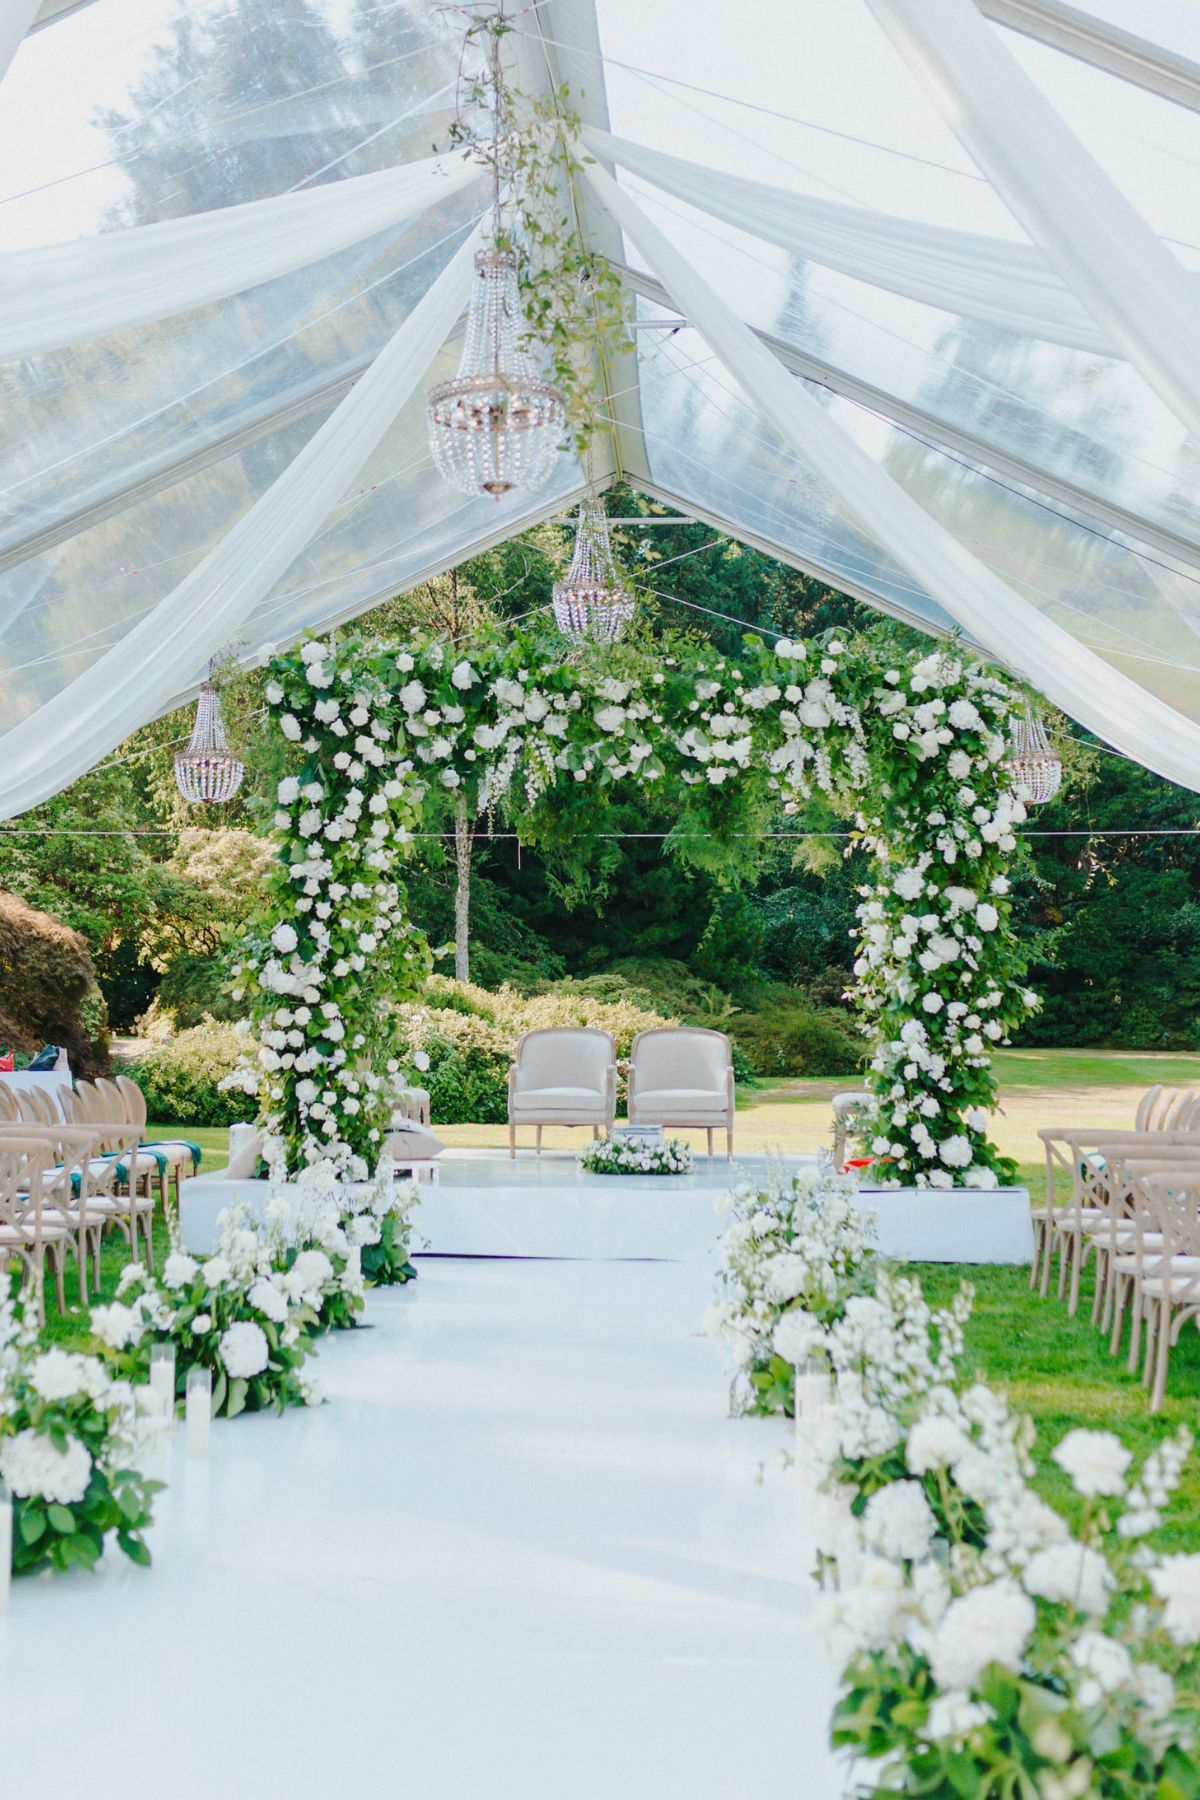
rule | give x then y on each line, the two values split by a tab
1136	291
60	294
1081	683
143	672
16	16
1011	285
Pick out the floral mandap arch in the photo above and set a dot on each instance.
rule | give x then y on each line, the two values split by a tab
912	747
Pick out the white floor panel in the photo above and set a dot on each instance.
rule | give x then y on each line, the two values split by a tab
522	1552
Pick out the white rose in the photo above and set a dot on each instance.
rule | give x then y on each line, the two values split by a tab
284	939
934	1443
179	1269
290	727
288	791
462	675
932	1003
986	917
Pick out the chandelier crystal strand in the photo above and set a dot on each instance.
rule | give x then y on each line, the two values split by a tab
207	772
498	425
1034	766
592	601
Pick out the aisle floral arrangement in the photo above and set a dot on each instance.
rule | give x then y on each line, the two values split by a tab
986	1651
793	1255
914	750
237	1313
66	1453
986	1648
618	1156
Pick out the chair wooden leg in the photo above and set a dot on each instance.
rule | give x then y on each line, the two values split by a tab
1101	1284
1120	1287
1151	1311
512	1142
1164	1353
710	1135
1047	1262
1135	1328
1035	1267
1076	1273
595	1134
539	1140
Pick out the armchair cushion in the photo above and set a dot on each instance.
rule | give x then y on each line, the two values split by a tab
569	1075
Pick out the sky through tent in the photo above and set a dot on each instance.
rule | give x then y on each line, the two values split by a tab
127	459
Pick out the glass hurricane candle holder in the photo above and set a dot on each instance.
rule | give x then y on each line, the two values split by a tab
162	1373
198	1409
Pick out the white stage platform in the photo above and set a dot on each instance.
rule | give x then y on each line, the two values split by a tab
522	1554
484	1204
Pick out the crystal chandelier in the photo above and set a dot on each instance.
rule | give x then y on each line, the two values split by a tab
206	772
592	601
498	425
1034	768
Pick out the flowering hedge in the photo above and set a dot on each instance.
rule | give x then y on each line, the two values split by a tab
915	749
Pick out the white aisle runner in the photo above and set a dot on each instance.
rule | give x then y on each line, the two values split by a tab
522	1553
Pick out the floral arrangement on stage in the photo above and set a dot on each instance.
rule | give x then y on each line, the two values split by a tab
66	1453
237	1313
986	1647
622	1156
793	1255
914	751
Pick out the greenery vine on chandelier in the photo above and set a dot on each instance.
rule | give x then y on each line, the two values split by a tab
576	307
911	749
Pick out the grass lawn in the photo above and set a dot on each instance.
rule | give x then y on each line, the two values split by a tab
1059	1370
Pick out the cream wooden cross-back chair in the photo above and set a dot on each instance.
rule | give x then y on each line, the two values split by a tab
30	1229
77	1187
176	1152
1167	1245
1097	1220
1068	1172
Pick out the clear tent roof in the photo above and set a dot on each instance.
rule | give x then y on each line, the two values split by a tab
125	459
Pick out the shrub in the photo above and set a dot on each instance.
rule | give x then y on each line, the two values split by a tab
48	991
179	1076
799	1040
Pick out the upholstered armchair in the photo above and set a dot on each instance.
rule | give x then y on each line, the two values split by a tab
680	1076
564	1077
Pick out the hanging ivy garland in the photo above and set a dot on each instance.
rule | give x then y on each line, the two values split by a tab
915	748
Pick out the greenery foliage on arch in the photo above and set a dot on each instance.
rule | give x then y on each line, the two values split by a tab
911	749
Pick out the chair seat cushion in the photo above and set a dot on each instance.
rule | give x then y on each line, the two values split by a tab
660	1099
534	1102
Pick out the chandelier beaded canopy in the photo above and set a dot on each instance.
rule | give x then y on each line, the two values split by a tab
498	424
1034	766
207	772
592	601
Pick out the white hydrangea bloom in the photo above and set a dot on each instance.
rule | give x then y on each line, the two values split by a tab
898	1521
1096	1461
989	1624
31	1465
1072	1575
244	1350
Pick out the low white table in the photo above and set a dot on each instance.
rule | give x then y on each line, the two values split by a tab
49	1080
485	1205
